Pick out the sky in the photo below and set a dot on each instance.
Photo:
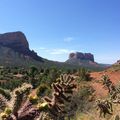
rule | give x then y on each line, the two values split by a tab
54	28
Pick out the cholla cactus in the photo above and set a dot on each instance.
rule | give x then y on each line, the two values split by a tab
22	107
62	91
18	96
105	107
3	102
106	81
109	85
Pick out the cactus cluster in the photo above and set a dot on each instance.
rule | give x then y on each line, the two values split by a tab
12	106
3	102
110	86
19	95
114	91
62	92
26	106
50	108
108	83
105	107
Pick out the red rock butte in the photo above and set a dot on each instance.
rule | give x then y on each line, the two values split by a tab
18	42
17	38
82	56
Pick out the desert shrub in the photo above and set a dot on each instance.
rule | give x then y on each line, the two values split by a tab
80	101
42	90
49	76
53	75
46	71
12	84
68	71
5	93
84	75
74	71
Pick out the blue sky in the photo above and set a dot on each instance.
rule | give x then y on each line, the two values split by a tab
54	28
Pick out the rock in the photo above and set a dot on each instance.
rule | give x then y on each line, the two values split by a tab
84	60
82	56
89	56
14	39
18	42
117	63
72	55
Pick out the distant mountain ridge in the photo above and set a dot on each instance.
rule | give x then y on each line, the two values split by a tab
15	51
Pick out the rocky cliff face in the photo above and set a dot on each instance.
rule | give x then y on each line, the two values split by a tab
14	39
82	59
18	42
82	56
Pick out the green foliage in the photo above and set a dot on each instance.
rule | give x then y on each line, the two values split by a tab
49	76
53	75
3	102
12	84
43	90
51	85
5	93
84	75
80	101
33	71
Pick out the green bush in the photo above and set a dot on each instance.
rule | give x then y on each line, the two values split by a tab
42	90
82	97
84	75
5	93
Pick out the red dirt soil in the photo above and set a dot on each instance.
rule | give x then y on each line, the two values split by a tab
100	90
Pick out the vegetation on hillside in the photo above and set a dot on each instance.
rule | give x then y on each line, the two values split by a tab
55	94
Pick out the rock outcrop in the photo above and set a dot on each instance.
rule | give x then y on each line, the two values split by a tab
117	63
14	39
83	59
18	42
82	56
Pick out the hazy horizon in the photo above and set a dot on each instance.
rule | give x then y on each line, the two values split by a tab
56	28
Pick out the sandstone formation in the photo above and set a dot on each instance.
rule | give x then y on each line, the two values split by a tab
18	42
82	56
83	59
14	39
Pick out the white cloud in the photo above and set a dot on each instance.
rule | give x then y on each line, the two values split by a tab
68	39
42	48
60	51
57	51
